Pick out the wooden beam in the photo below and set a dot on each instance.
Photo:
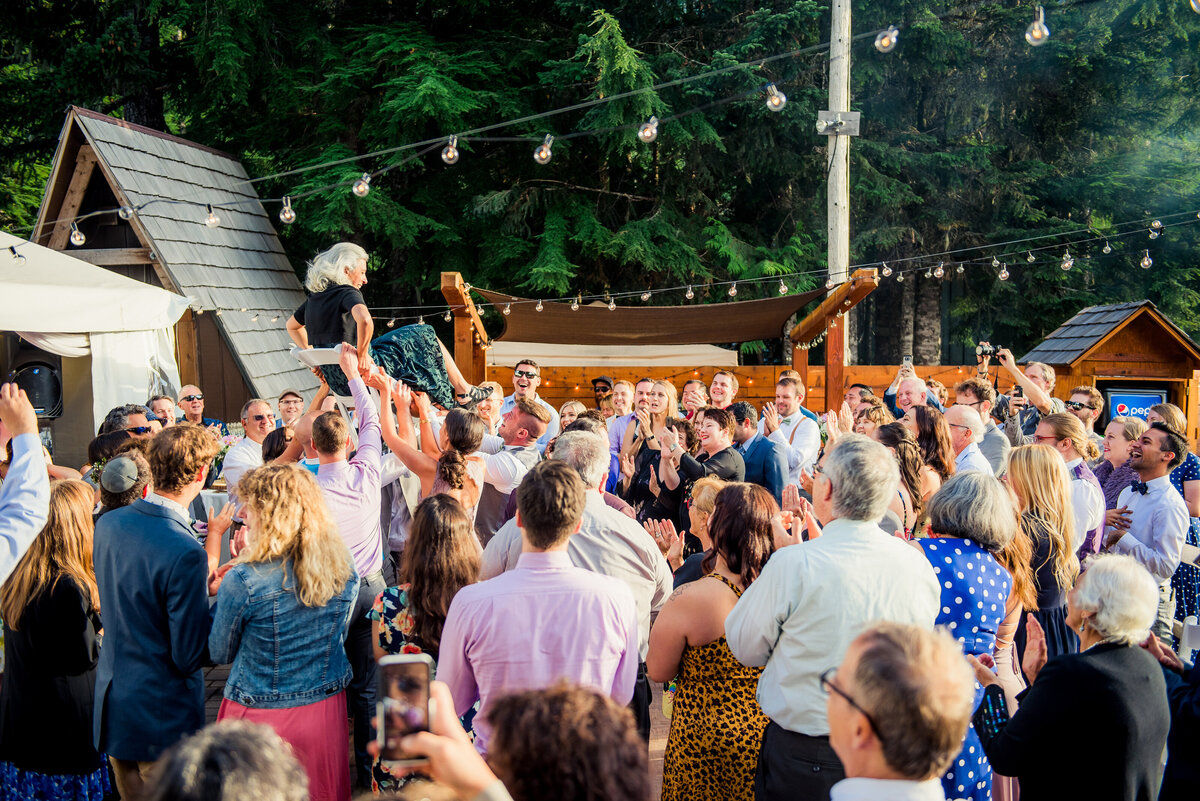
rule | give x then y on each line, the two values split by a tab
113	257
85	164
835	363
800	363
185	349
861	284
469	334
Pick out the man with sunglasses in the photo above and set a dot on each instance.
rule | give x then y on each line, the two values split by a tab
1087	403
811	600
527	377
191	401
258	420
131	418
898	709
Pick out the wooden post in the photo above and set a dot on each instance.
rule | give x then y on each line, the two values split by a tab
469	333
186	355
85	163
800	363
835	364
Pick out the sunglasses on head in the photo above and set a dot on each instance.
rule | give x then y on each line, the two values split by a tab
525	374
192	398
258	418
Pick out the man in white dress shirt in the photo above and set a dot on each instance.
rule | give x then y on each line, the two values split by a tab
812	599
1158	521
258	420
898	708
527	377
786	424
966	432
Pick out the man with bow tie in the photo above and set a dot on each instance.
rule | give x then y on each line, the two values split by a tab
1158	517
784	422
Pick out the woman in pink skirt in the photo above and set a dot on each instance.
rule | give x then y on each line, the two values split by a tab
282	611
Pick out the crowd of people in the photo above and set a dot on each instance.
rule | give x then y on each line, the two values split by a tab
926	593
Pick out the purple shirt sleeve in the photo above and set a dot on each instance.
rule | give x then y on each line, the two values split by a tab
370	435
454	669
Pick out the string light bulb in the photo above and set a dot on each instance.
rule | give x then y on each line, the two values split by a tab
507	309
287	215
733	289
212	220
1196	7
646	296
783	288
392	323
885	42
254	319
420	319
543	152
1003	272
1107	248
929	272
1156	225
899	278
1146	261
448	316
19	258
995	262
961	268
1037	34
886	270
125	212
218	312
362	186
689	294
575	303
648	132
776	99
275	319
1031	258
1153	234
829	282
539	306
243	309
1068	261
450	151
612	305
77	237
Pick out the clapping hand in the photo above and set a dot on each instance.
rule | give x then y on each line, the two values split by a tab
846	418
667	540
983	665
770	419
643	418
627	465
831	428
806	480
1035	647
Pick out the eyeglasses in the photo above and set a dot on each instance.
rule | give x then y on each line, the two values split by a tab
1076	405
828	686
1036	438
959	425
972	403
190	398
525	374
139	429
258	418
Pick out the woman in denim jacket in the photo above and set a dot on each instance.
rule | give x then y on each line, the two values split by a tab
282	611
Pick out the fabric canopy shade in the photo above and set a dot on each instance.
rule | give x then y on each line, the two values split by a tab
701	324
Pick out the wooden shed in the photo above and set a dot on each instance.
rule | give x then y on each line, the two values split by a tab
1125	346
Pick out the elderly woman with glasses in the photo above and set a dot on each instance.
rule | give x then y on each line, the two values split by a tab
1093	724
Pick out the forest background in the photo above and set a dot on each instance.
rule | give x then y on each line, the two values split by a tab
969	137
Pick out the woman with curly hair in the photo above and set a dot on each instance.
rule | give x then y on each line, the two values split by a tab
908	505
51	611
283	607
932	431
870	415
717	725
1038	476
440	558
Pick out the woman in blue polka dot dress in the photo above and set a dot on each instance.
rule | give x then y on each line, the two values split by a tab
971	517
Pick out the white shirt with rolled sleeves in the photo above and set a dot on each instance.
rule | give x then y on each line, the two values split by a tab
1087	503
801	437
1158	527
811	601
24	501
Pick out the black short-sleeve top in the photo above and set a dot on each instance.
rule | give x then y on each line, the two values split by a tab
326	315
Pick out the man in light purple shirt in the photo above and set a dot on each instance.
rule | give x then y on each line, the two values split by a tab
544	621
25	496
352	492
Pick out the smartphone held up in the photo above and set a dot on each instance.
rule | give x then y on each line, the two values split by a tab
403	705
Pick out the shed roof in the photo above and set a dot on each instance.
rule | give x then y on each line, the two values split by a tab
1072	340
239	264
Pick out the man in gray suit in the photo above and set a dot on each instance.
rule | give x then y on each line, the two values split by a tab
978	394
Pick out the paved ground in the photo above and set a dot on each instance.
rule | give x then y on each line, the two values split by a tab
214	685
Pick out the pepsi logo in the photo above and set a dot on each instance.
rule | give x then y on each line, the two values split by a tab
1123	409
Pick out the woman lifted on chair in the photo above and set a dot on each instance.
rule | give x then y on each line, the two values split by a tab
335	312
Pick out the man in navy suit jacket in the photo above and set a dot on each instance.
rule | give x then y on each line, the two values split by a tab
766	460
152	575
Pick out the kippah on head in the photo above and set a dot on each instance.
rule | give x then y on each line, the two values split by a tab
119	475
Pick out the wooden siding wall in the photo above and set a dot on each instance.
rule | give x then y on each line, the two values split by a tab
225	391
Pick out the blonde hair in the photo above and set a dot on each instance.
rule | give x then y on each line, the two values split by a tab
1068	426
1039	477
572	404
672	398
294	526
329	267
705	492
1172	415
63	548
1132	428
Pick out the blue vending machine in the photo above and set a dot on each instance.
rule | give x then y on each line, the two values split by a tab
1132	402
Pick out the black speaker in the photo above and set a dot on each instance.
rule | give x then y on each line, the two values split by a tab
43	384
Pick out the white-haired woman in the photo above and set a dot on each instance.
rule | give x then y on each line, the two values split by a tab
1093	724
335	312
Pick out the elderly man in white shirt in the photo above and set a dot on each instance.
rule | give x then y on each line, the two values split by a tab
257	420
812	599
1158	517
784	423
966	432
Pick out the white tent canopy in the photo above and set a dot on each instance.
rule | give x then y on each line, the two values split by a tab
71	308
507	354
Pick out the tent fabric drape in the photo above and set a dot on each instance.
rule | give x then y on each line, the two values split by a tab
595	324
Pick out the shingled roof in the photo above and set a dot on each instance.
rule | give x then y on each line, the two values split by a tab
1089	327
239	264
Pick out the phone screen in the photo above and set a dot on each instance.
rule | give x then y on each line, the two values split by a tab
403	705
908	361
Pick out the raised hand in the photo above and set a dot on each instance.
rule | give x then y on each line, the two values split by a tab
668	439
983	673
1035	647
770	419
348	361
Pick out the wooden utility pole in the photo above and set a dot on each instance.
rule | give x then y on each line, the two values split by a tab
834	124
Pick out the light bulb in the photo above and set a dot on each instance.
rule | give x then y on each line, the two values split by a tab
254	319
646	296
575	303
1146	261
649	130
362	186
539	306
420	319
77	237
448	316
940	271
212	220
450	151
286	215
1107	248
1196	7
829	282
542	154
125	212
612	304
218	312
689	294
885	42
995	262
392	323
507	309
783	290
1003	272
275	319
1037	34
776	99
900	278
1068	261
200	312
960	269
886	270
242	309
1156	225
19	258
733	289
1031	258
928	272
1153	234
